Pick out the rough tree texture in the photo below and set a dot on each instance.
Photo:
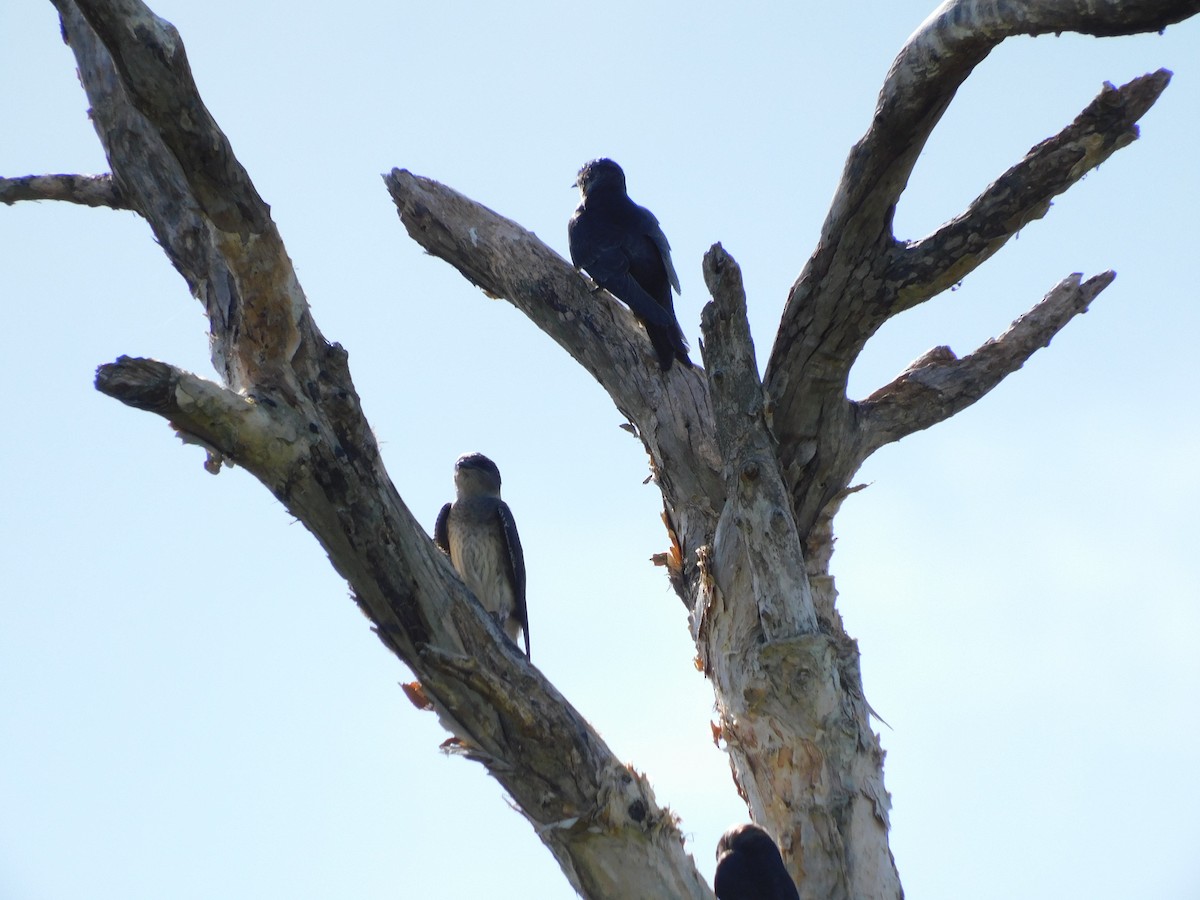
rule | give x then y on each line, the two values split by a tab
752	472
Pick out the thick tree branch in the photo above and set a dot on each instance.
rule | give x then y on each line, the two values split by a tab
505	260
795	692
938	385
150	179
229	252
933	264
149	55
86	190
267	440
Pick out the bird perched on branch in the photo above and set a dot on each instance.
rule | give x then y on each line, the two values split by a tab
479	533
749	867
623	248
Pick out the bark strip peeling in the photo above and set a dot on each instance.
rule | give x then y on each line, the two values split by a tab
786	676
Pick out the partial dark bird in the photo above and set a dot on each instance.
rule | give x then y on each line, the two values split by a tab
479	533
623	248
749	867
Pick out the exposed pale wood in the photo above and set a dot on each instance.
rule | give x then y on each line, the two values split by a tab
797	731
756	536
152	65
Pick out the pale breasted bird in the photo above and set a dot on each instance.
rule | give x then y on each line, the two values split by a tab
479	533
623	248
749	867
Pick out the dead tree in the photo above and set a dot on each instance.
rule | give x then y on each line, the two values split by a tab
751	471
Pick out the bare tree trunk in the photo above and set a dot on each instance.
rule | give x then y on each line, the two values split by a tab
752	471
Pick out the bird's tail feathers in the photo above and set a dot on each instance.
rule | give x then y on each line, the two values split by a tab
669	345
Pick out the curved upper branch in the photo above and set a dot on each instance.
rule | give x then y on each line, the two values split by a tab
859	275
922	81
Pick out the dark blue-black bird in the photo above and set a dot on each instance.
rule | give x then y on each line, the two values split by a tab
479	533
749	867
623	248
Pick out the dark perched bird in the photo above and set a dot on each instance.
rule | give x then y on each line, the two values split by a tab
749	867
479	533
621	246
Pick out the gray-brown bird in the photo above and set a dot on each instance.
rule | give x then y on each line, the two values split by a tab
479	533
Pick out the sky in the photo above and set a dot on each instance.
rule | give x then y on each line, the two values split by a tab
191	706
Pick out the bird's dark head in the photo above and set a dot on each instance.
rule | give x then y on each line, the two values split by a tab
600	175
749	867
746	838
477	472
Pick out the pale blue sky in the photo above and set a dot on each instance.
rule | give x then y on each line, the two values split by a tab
192	707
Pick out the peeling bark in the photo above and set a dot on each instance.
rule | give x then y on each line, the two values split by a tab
800	744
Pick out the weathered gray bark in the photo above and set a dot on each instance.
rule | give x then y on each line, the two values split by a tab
752	472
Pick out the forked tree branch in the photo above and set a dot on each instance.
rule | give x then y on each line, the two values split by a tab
86	190
860	276
152	181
